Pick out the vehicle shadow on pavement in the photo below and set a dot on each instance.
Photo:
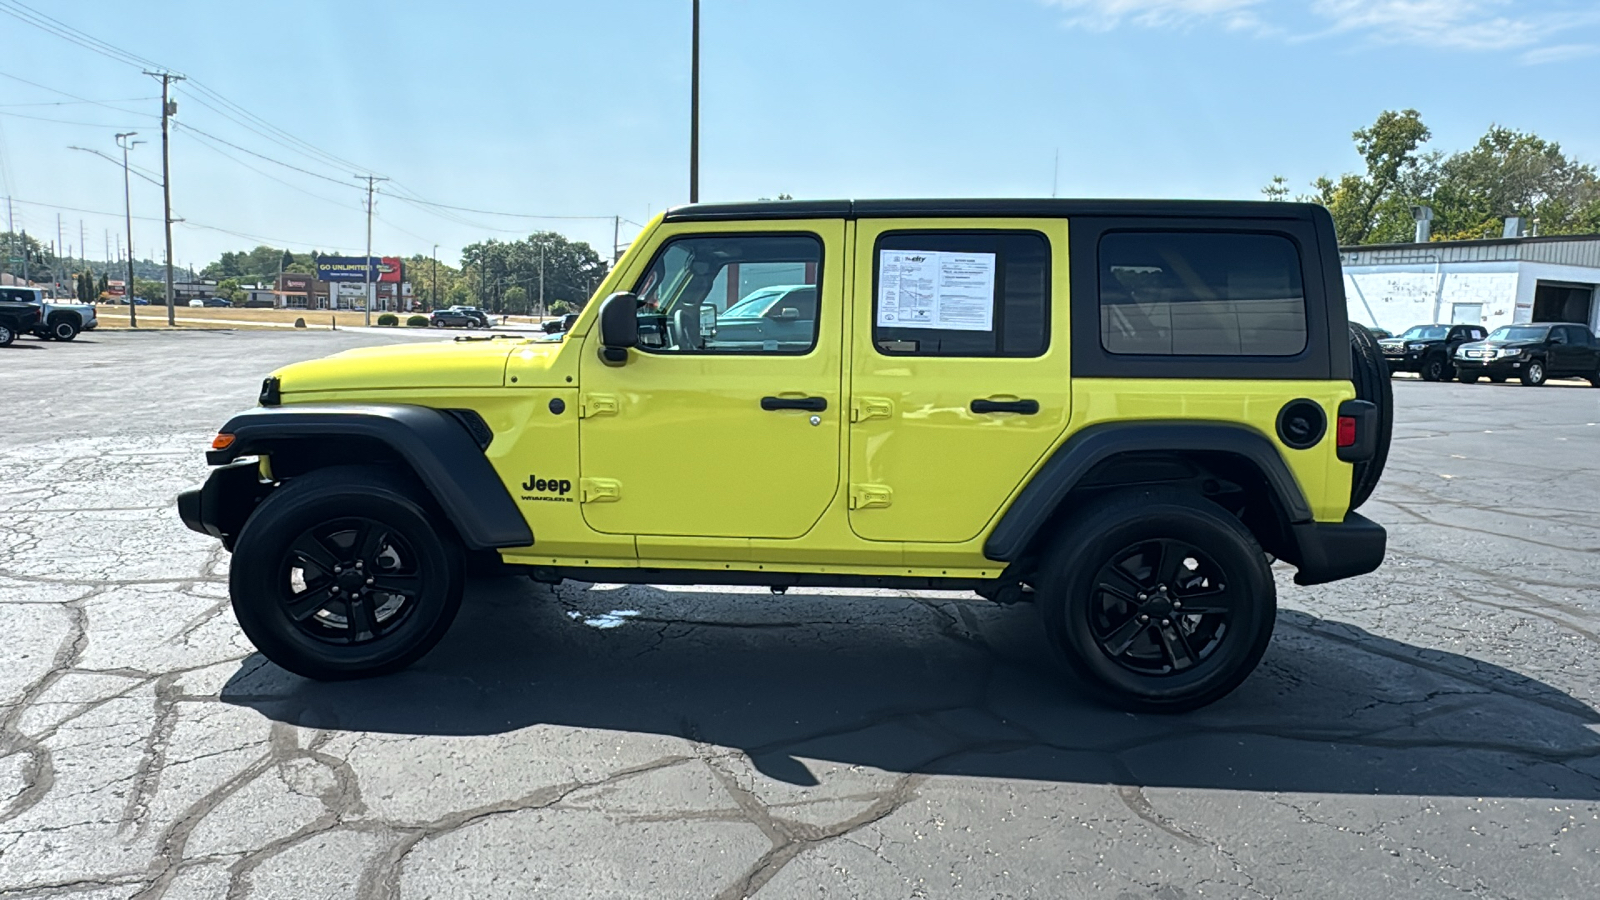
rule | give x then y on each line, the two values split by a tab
954	687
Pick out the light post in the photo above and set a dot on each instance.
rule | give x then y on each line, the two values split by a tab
433	295
127	205
694	108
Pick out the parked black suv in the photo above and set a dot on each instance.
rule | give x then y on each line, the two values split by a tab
1428	349
16	318
1533	352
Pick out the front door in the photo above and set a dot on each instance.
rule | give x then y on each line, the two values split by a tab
960	382
711	432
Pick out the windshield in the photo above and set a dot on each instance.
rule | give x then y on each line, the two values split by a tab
1519	333
1425	333
754	305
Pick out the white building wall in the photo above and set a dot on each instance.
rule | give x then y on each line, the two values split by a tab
1398	296
1533	272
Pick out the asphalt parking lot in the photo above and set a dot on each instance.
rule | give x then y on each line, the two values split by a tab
1427	731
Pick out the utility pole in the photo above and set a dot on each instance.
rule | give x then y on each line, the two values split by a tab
11	232
541	278
59	245
616	239
25	278
694	109
127	204
372	180
433	294
168	108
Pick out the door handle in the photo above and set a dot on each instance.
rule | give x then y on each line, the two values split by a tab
812	404
1025	407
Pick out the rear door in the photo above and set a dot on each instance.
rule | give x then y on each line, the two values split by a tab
959	377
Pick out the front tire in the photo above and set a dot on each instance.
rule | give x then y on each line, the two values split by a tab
1466	378
341	573
1158	600
1534	375
1498	379
6	335
1435	369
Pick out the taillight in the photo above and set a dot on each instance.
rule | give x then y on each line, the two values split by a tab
1347	431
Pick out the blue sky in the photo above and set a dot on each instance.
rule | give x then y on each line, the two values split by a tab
580	109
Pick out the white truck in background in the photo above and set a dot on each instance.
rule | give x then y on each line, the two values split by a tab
57	321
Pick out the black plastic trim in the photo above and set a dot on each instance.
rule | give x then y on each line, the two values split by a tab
1330	551
220	507
432	442
1091	446
271	392
1019	207
1311	408
764	578
482	434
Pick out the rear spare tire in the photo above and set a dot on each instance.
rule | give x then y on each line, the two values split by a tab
1370	375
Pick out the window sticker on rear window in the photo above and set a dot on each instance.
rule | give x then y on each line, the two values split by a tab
936	289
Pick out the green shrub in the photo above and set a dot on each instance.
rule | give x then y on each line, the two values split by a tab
416	321
389	319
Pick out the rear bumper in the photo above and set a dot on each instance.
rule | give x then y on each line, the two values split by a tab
1330	551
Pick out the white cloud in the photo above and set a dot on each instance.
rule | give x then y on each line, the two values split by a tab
1558	53
1104	15
1470	25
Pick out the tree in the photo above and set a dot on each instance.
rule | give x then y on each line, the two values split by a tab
104	287
1277	189
86	292
569	270
154	291
1372	207
516	300
229	290
1511	173
23	245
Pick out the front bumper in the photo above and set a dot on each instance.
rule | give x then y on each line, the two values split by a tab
220	506
1410	361
1507	366
1330	551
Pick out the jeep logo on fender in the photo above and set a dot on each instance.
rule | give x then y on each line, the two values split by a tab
559	488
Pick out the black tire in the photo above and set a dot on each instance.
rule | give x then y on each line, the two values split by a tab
1370	375
1466	378
1169	660
1434	368
62	328
327	525
6	335
1497	379
1534	374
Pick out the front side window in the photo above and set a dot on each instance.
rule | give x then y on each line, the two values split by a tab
961	293
731	294
1201	294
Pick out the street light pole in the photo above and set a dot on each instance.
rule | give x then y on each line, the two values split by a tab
367	262
127	205
168	107
433	295
694	109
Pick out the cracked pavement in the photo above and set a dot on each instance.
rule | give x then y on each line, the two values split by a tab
1426	731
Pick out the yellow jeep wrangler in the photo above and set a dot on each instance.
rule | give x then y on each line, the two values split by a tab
1120	411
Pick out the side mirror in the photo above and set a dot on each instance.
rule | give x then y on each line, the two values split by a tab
708	320
619	327
789	312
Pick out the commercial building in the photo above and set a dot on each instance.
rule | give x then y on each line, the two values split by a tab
1489	282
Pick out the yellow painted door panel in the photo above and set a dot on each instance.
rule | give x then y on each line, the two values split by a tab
680	444
926	463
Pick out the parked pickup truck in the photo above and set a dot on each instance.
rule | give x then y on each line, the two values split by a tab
57	321
16	318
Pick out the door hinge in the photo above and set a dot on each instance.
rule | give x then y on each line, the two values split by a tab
599	490
870	496
864	408
598	405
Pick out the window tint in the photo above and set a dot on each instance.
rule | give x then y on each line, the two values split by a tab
1201	294
961	293
731	294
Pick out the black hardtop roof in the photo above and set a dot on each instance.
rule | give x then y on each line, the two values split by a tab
1020	207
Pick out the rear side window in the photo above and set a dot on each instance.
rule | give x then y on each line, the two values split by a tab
961	293
1201	294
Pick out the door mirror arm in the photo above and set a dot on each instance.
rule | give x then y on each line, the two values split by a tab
619	327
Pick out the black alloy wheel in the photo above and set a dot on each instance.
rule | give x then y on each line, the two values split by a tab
1534	375
349	581
1157	599
346	572
1433	369
1160	606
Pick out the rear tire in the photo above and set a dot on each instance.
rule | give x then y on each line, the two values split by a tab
62	328
1208	607
1370	375
1534	375
341	573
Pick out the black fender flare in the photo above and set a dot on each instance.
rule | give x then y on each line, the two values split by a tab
1074	459
438	446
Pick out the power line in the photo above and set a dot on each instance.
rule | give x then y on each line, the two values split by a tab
206	142
66	121
76	97
254	237
490	212
183	126
76	102
92	212
68	33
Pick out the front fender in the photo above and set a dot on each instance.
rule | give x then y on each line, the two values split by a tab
436	445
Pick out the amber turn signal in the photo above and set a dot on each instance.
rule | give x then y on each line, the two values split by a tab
222	442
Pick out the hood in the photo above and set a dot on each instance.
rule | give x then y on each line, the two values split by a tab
1497	345
443	364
